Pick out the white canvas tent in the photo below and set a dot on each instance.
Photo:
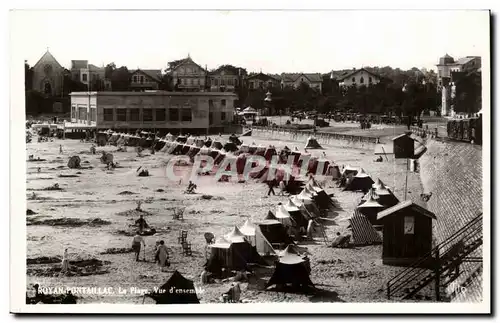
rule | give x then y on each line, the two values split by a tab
256	238
283	216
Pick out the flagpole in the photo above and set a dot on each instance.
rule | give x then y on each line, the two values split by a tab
88	88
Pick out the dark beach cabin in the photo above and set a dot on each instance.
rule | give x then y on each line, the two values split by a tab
404	146
407	233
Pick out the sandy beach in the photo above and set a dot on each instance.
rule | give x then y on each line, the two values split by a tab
93	211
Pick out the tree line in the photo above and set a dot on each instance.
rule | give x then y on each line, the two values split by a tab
400	92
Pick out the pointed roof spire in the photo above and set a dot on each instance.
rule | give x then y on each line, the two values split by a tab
371	203
235	236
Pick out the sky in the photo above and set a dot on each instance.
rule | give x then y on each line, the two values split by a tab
267	41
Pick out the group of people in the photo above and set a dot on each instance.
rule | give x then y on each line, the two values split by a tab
272	183
138	243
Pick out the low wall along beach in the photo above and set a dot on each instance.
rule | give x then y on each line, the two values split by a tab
324	138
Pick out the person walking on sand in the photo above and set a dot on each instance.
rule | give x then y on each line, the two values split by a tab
310	229
136	245
270	184
163	256
65	262
60	149
157	245
282	188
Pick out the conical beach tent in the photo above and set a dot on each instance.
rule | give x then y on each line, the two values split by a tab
385	196
170	137
312	143
360	182
273	230
291	269
370	209
181	139
283	216
256	238
177	290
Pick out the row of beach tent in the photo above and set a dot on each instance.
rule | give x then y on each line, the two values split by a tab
252	241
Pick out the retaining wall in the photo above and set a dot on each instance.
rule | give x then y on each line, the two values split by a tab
324	138
452	171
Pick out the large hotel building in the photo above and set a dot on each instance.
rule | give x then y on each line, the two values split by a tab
187	112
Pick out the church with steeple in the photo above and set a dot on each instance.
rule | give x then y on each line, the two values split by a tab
48	76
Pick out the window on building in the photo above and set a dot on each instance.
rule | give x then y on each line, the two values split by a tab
82	113
142	79
134	79
173	114
439	73
223	102
211	118
108	114
261	84
222	82
93	114
370	79
121	114
84	77
361	80
210	104
161	115
270	84
195	81
94	77
353	80
73	112
302	79
409	225
222	116
147	115
186	115
216	82
135	115
250	85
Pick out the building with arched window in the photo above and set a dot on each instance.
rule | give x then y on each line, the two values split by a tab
48	76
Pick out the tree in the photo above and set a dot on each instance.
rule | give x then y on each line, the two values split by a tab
108	71
97	85
28	76
467	97
71	85
166	83
120	79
